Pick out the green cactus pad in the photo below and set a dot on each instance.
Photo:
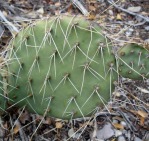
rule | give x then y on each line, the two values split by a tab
134	62
62	67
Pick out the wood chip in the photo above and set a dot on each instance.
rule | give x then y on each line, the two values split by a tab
118	126
58	125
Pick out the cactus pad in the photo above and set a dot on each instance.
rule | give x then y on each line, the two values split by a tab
133	62
61	67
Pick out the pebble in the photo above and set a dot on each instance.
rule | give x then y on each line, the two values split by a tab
102	133
139	19
121	138
101	1
111	12
129	32
137	139
118	133
147	41
147	28
134	9
115	121
71	133
123	123
128	134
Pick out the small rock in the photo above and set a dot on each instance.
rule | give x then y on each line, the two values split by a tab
101	1
129	32
102	133
118	133
111	12
128	135
115	121
147	41
121	138
77	135
131	22
147	28
71	133
123	123
134	9
137	139
139	19
40	11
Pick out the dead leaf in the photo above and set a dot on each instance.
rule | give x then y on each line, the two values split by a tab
5	13
24	116
70	8
146	45
142	114
118	17
142	121
113	139
5	125
57	4
91	16
118	126
48	121
117	94
40	11
92	1
57	12
92	8
16	129
133	111
58	125
118	118
1	59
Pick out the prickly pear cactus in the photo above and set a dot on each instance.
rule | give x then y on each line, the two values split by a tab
62	67
134	62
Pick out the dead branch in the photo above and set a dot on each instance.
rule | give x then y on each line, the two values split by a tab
8	24
80	7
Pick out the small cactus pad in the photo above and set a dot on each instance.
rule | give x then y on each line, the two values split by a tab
61	67
134	62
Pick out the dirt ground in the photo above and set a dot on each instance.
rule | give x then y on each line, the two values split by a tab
123	21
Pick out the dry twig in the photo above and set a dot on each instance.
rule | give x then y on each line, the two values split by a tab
80	7
8	24
129	12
